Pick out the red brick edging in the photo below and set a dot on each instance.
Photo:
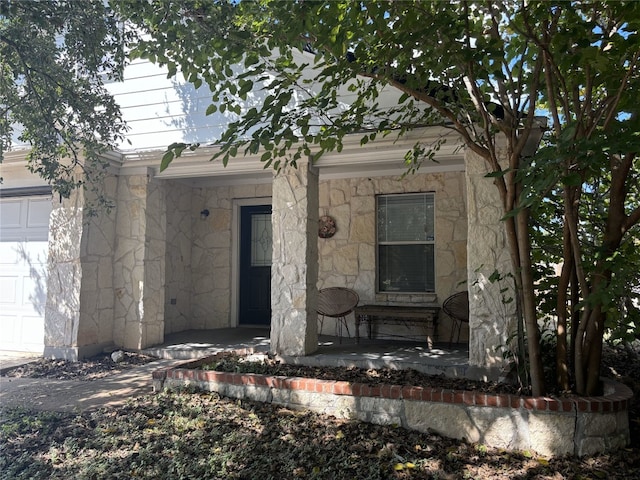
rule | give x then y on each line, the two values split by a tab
616	396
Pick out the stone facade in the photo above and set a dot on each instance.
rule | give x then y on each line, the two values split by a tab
348	259
492	317
181	217
79	308
294	271
107	272
211	251
139	262
154	266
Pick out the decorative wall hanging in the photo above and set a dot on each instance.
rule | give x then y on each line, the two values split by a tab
326	227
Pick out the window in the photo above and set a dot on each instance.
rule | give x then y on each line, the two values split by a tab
406	246
261	239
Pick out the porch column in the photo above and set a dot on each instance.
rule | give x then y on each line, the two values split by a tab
139	262
79	308
491	319
294	269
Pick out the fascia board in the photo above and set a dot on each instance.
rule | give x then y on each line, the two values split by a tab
385	153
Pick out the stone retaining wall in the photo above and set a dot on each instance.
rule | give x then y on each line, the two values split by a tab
549	426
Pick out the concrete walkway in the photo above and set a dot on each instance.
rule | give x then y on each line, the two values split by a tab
79	395
114	390
9	360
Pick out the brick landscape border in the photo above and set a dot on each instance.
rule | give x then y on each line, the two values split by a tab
549	426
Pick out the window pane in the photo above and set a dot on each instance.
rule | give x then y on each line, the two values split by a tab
405	218
261	240
406	268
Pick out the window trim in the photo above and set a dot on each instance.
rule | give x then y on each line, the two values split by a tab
400	243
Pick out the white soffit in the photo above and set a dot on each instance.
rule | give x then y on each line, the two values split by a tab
384	156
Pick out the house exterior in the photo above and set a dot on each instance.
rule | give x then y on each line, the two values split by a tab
201	246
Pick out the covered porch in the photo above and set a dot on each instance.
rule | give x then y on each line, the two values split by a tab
165	266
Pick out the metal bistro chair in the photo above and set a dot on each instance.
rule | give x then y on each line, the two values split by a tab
457	308
337	302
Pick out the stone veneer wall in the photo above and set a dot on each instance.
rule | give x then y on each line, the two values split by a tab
491	319
211	253
180	219
348	258
139	262
294	269
96	298
79	308
116	276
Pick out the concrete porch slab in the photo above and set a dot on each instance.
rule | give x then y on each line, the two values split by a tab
378	353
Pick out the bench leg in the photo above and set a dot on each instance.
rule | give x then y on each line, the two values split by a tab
430	333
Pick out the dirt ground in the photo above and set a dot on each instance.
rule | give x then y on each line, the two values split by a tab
196	435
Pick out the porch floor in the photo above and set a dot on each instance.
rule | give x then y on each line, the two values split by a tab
377	353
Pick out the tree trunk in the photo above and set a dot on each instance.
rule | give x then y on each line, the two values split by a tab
529	305
595	354
562	310
575	315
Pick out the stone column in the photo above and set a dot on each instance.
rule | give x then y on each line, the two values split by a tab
491	317
139	262
79	308
294	269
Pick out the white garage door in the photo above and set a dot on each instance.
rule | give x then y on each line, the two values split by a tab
24	228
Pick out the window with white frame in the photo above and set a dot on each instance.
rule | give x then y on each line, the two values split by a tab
405	243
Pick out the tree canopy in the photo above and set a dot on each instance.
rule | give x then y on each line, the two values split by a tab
55	57
486	69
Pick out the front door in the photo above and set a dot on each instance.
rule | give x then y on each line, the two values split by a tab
255	265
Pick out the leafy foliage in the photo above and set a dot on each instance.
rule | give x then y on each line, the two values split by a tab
55	57
306	57
585	181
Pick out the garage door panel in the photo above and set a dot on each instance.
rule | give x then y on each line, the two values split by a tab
11	214
9	289
21	333
33	252
23	269
38	211
23	252
8	332
9	255
32	330
34	295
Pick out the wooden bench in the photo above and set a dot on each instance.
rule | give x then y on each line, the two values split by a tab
426	315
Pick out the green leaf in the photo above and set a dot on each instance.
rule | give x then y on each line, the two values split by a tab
167	158
572	180
212	108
